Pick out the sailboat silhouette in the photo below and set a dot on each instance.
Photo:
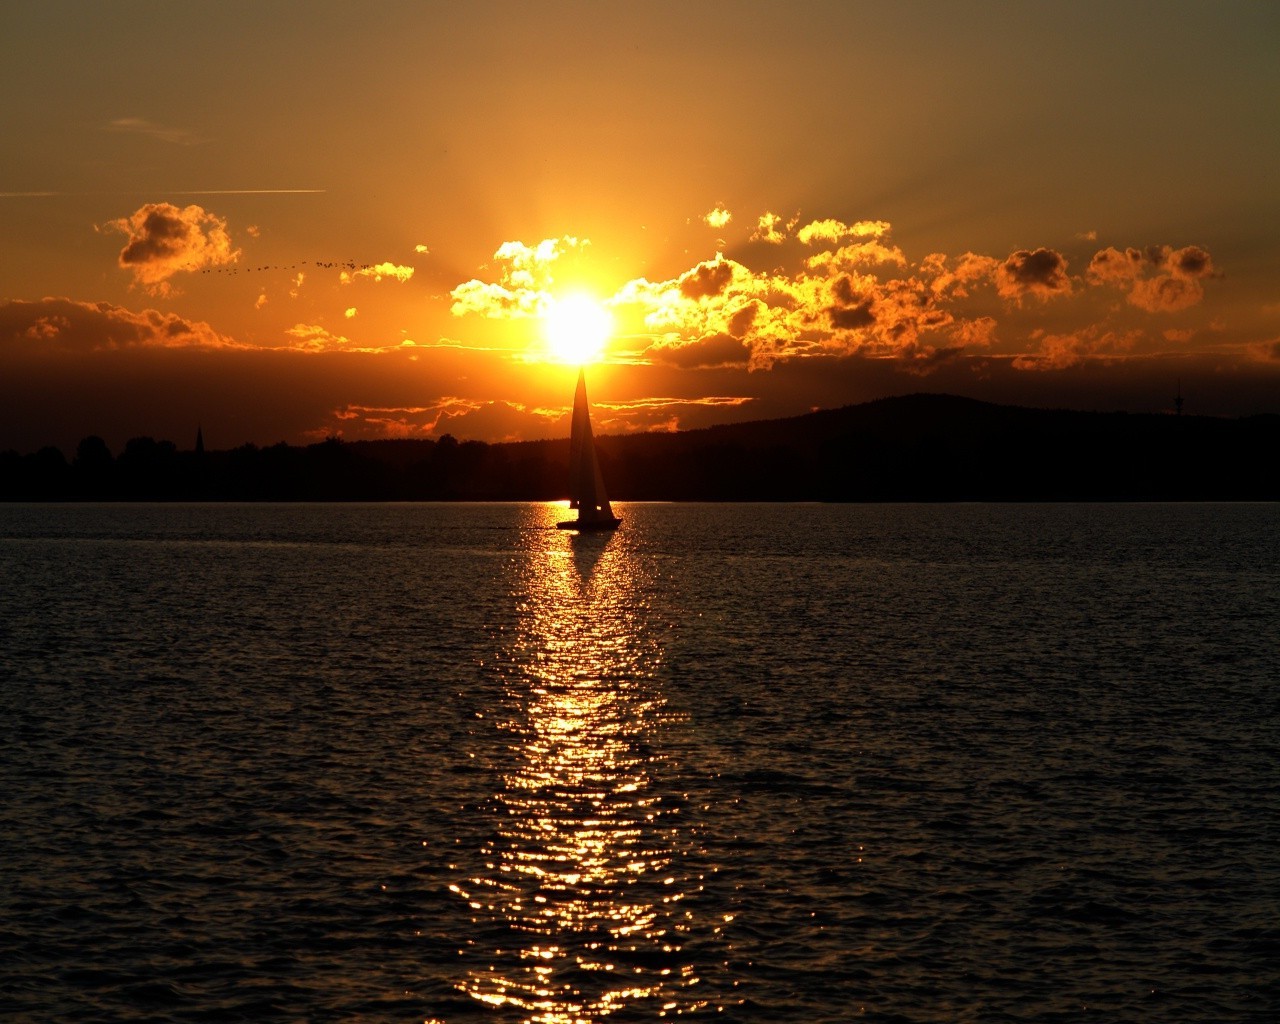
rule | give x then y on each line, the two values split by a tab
586	485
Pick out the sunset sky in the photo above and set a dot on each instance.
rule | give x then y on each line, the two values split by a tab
286	221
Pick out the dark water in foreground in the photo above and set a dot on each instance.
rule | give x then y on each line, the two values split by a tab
736	763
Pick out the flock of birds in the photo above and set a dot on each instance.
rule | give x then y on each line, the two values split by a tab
349	265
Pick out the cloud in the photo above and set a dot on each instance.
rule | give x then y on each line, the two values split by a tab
524	280
718	217
665	414
772	229
1113	265
707	279
378	271
857	293
349	312
60	324
1062	351
493	420
1166	293
141	126
1160	279
976	333
314	338
1189	262
361	421
164	240
835	231
970	270
860	253
713	350
421	250
1041	273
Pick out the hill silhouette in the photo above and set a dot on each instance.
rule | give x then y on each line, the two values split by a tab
920	447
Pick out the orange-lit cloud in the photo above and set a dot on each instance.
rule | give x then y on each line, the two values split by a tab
1160	279
1061	351
859	293
164	240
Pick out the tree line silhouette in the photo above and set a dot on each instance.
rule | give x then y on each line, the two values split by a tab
914	448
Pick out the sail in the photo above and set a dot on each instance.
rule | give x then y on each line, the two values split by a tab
580	441
586	484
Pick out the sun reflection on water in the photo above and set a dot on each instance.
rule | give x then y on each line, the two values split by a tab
581	909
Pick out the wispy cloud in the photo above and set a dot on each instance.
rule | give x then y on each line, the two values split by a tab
165	133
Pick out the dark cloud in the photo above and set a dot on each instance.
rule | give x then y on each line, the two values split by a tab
713	350
1191	262
852	309
68	325
852	318
706	279
1039	272
744	319
164	240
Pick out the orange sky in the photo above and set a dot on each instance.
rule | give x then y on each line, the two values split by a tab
285	221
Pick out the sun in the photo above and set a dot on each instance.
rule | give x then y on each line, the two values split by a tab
576	328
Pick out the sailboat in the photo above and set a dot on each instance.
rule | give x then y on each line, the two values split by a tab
586	485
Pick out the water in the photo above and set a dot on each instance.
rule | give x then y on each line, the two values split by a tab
742	763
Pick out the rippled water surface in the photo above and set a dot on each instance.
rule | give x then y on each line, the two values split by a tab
742	763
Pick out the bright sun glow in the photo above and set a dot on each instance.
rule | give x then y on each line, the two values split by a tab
577	328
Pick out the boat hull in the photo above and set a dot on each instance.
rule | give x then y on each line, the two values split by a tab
589	525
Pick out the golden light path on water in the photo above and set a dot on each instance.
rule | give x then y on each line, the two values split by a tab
581	908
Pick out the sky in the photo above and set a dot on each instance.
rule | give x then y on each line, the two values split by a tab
292	221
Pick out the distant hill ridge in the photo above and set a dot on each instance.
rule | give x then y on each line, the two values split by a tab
919	447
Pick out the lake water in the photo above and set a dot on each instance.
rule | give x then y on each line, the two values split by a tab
804	763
